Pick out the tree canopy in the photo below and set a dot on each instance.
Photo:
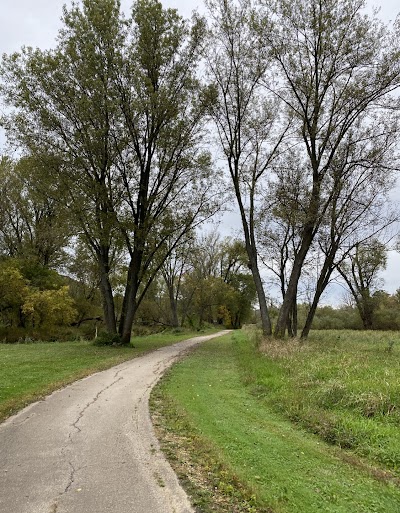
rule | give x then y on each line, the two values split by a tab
134	130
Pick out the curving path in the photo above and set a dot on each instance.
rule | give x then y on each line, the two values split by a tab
90	447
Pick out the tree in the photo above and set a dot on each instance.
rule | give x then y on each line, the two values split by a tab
279	223
33	224
386	314
361	178
176	265
360	272
358	211
237	61
202	284
113	110
32	295
219	286
167	180
66	116
49	307
337	67
13	291
84	284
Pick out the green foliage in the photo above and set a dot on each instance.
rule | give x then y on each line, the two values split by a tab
327	318
360	272
49	307
218	287
13	287
107	339
40	276
32	304
204	281
386	310
386	314
113	114
112	123
34	226
83	287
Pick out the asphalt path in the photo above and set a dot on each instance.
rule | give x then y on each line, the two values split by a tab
91	448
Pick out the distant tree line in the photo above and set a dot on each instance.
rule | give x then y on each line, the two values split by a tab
385	310
120	132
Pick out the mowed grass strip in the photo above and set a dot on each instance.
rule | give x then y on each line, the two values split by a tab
30	371
277	465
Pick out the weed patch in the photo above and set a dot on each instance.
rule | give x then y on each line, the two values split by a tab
342	386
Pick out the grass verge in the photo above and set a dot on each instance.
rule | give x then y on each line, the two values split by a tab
237	452
31	371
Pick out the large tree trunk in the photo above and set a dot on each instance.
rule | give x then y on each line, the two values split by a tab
290	327
107	299
292	322
322	283
132	297
366	308
251	248
310	316
129	304
129	308
126	327
262	300
308	234
291	290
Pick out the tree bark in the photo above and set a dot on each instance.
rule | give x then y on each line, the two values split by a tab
291	290
262	301
292	323
366	309
322	283
107	299
173	306
310	316
169	282
251	249
129	304
307	238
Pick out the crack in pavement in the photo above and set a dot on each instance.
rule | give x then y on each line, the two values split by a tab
82	412
71	478
73	471
26	419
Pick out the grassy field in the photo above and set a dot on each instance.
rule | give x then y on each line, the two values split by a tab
30	371
302	428
344	386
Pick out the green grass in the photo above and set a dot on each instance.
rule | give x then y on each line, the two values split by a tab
227	409
31	371
344	386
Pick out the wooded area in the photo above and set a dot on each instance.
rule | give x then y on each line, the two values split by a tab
133	134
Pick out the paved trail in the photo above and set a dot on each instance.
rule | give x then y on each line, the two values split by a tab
90	448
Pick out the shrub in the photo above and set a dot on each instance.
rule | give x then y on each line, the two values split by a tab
107	339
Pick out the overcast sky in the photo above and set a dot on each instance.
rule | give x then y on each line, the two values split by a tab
35	23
